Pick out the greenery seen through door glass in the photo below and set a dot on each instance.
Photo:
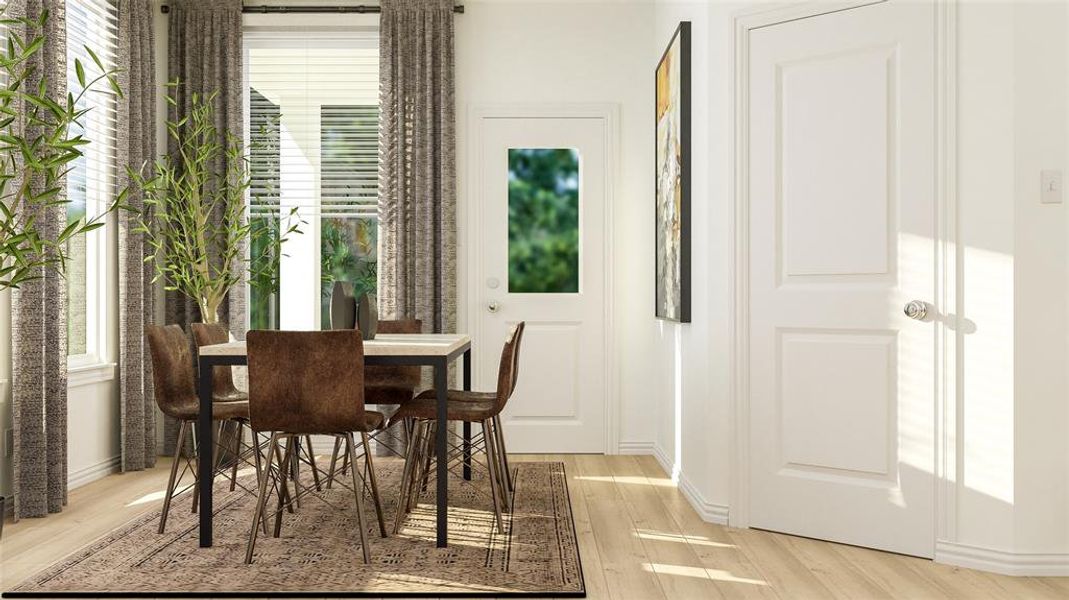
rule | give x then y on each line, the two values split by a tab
543	220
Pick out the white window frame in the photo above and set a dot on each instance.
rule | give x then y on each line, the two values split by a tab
261	31
96	364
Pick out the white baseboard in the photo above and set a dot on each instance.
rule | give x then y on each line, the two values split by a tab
708	511
640	448
77	479
1001	561
667	462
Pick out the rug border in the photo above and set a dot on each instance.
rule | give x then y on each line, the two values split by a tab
479	594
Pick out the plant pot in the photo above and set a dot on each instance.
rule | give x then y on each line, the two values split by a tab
367	315
342	306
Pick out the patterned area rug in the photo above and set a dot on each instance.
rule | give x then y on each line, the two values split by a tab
319	551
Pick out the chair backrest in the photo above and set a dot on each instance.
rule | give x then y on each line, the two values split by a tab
172	370
401	377
306	381
206	334
508	372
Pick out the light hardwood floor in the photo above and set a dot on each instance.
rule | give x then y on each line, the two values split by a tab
638	536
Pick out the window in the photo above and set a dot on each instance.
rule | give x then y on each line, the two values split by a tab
543	221
91	182
312	109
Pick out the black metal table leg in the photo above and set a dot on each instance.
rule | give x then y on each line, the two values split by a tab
204	452
441	377
467	425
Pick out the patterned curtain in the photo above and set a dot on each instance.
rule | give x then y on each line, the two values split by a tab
136	146
204	52
39	322
417	185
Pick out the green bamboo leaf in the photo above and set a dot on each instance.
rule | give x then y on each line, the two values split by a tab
80	72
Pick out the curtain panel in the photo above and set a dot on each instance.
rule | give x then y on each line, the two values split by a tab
417	178
39	319
204	53
136	149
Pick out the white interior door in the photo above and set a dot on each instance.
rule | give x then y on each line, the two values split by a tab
540	196
841	193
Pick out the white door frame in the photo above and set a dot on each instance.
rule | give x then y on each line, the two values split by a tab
477	114
947	256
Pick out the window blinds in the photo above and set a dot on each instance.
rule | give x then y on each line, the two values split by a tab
313	124
91	183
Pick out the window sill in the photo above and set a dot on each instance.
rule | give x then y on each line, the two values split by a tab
82	375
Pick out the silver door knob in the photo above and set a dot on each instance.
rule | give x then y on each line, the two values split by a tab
916	309
492	306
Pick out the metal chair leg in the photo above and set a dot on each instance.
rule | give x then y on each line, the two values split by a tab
239	436
374	483
281	465
174	473
431	443
500	431
491	464
261	500
295	468
284	463
258	461
499	465
358	496
411	456
312	462
333	461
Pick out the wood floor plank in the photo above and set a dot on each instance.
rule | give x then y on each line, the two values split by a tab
679	570
841	576
638	536
593	571
621	553
735	576
778	565
889	575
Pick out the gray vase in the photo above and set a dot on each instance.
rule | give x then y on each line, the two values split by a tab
342	306
367	315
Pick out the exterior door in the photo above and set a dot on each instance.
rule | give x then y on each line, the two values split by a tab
841	201
540	195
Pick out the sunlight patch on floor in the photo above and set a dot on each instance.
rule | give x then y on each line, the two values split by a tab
696	540
699	573
628	480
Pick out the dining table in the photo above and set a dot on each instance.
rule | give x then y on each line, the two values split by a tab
435	350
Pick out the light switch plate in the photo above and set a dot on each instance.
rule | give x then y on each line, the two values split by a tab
1050	187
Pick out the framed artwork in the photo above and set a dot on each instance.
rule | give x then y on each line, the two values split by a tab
672	180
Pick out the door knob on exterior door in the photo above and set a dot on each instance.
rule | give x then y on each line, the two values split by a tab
493	306
916	309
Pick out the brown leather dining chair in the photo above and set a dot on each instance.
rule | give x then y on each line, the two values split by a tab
224	390
176	396
310	383
464	406
386	386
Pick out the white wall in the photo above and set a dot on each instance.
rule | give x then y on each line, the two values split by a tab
578	52
1012	481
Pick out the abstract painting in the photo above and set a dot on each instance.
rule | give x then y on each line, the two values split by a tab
672	180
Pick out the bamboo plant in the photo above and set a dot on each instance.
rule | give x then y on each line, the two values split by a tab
195	227
36	153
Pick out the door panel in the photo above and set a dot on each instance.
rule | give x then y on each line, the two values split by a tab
841	236
540	196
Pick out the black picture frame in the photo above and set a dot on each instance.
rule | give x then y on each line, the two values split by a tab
681	36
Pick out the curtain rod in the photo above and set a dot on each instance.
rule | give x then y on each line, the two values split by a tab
360	9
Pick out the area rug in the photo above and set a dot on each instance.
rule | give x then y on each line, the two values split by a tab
318	553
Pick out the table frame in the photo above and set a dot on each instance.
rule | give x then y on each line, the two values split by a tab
440	364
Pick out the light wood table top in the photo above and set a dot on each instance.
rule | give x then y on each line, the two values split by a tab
384	344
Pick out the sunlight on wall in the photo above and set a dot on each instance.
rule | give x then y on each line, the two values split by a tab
988	417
